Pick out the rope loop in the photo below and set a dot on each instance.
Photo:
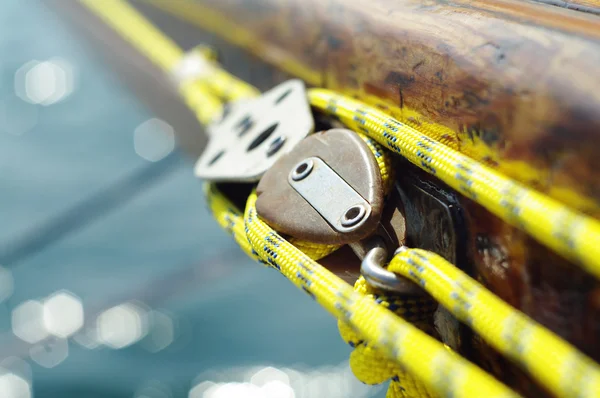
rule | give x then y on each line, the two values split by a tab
372	367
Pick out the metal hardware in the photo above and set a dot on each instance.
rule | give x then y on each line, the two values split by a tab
310	193
302	170
372	269
435	222
354	215
328	193
276	145
434	219
254	133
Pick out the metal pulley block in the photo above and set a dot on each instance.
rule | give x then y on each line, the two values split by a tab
254	133
327	190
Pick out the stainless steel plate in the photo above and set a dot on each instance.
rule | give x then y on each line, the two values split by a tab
254	133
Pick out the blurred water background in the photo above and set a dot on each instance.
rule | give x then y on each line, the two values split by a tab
150	299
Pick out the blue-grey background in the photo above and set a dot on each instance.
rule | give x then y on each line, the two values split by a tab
161	247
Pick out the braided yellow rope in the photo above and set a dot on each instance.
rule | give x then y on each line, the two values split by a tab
556	364
368	364
419	354
571	234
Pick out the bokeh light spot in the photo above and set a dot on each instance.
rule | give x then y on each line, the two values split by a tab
270	382
122	325
87	337
269	374
28	323
231	390
14	386
16	365
277	389
154	139
6	283
199	389
46	82
50	353
153	389
63	314
161	333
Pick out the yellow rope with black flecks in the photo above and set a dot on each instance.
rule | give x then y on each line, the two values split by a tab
367	362
570	233
418	354
556	364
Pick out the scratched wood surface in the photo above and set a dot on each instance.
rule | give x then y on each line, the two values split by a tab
513	84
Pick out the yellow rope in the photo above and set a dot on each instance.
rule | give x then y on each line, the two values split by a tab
556	364
569	233
159	49
419	354
368	364
155	45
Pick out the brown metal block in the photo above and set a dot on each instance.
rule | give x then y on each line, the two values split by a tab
288	212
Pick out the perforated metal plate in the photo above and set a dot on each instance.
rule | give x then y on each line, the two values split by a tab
254	133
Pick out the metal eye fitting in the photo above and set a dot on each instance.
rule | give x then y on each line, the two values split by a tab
373	270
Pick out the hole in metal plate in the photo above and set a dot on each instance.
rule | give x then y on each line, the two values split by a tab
353	215
244	125
282	96
216	157
300	169
276	145
262	137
